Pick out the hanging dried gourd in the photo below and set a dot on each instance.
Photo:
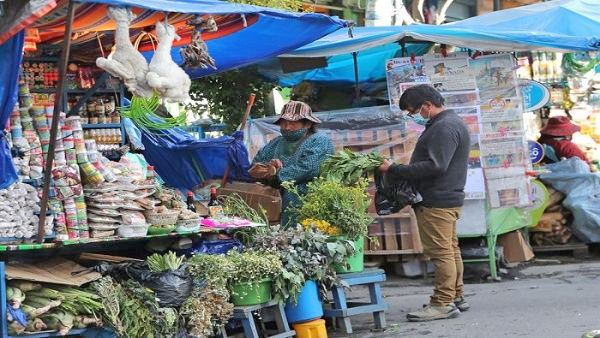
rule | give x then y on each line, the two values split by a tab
196	55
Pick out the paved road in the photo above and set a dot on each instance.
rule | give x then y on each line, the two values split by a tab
557	301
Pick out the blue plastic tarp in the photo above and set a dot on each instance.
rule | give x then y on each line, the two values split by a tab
340	68
274	33
184	162
11	53
559	25
573	178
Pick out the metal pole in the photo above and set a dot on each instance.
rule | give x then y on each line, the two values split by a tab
496	5
62	69
355	60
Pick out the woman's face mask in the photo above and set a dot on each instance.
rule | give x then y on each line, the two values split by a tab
294	135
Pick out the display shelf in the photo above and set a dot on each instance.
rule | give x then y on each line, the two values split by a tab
84	242
97	91
101	126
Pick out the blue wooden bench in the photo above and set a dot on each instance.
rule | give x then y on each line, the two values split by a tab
342	310
244	314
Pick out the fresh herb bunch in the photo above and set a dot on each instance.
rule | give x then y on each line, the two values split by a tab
348	167
342	206
253	266
166	262
214	270
306	255
236	206
206	310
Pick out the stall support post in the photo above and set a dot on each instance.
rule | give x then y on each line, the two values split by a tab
60	92
3	305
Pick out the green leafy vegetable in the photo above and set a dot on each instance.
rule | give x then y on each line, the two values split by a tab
142	111
348	167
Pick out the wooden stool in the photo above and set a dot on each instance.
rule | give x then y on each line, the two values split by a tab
244	313
343	310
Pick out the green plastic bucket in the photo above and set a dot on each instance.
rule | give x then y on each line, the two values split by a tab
244	294
357	261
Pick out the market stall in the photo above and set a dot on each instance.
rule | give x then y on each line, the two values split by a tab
91	196
500	130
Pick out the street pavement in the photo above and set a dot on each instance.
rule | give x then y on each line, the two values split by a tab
549	301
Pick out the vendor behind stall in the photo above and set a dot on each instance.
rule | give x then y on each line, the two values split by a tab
557	134
294	156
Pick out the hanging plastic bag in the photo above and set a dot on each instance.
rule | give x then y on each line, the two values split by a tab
393	194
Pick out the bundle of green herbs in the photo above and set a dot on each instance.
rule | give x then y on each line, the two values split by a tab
341	205
306	255
236	206
349	167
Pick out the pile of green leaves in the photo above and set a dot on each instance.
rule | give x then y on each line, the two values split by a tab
142	111
132	310
214	270
306	255
166	262
349	167
340	205
253	266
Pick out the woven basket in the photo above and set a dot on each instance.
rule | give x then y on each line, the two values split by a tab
165	218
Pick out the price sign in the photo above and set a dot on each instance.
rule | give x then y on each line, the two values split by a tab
536	151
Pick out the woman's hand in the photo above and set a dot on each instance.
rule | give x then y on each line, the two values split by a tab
276	163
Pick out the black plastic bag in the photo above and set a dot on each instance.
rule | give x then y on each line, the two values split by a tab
172	288
392	194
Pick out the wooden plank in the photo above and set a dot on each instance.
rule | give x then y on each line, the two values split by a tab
389	228
555	248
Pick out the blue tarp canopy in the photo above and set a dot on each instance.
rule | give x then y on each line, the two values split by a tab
246	34
340	68
275	32
559	25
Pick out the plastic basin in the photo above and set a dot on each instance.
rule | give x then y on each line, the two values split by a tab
244	294
309	305
356	261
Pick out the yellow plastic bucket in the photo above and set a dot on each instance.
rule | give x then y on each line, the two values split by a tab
312	329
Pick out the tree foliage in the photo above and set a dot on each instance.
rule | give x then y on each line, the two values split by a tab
225	95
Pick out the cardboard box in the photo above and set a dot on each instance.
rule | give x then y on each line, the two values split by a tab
256	196
56	271
516	249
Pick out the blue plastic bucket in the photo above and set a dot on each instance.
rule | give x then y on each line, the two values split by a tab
309	305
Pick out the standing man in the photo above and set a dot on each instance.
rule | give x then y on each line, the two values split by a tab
438	171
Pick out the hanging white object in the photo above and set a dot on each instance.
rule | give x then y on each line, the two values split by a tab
164	75
379	13
125	61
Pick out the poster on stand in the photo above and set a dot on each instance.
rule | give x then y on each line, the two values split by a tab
450	73
495	76
502	127
501	109
507	187
400	73
503	152
461	99
475	186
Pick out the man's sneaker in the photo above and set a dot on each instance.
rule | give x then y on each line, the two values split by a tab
461	304
431	312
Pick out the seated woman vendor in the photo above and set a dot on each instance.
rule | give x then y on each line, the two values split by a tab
558	134
296	155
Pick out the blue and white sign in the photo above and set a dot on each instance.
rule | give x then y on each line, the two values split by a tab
536	151
535	95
